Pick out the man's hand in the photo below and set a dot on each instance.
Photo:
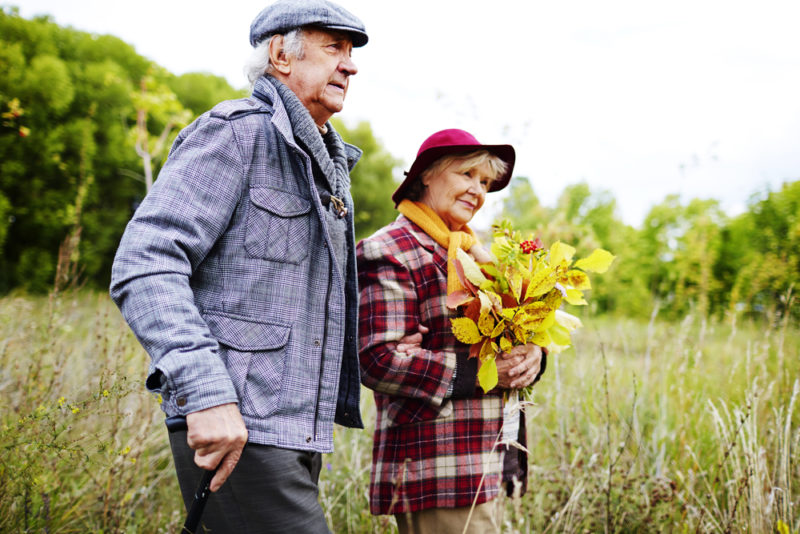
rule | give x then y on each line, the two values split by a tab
518	367
411	345
217	436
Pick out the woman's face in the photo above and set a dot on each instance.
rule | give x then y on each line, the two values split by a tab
456	194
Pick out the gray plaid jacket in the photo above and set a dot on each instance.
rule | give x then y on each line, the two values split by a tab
226	276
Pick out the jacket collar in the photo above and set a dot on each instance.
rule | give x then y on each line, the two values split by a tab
264	91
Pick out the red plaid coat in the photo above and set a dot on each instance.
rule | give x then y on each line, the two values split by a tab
435	431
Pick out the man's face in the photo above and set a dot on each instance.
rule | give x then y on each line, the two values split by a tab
321	78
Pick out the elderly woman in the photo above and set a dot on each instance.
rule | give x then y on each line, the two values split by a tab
436	444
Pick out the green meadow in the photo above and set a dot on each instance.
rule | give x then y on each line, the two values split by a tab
643	426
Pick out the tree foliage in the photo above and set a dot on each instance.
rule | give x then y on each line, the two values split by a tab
686	258
372	179
85	121
83	117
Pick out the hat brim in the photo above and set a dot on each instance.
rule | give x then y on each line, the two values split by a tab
429	156
359	38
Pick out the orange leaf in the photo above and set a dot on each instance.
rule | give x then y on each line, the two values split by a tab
458	298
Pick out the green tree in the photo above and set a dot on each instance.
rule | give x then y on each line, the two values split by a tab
200	91
67	146
372	179
157	108
760	258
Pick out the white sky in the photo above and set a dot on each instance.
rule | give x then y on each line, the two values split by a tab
640	98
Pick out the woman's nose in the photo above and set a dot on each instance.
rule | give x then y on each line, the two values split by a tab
476	187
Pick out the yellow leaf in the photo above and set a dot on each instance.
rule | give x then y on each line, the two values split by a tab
498	246
575	297
487	375
598	261
560	252
568	321
543	281
514	283
465	330
559	335
578	280
505	344
471	269
534	317
486	324
509	313
549	320
542	339
498	329
488	284
783	528
497	302
487	350
520	334
486	302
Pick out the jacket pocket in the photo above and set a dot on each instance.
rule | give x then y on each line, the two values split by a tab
278	225
254	354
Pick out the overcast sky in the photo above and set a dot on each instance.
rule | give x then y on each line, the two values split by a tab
640	98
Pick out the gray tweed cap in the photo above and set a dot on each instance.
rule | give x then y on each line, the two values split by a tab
285	15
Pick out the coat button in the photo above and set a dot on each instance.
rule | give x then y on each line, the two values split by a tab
308	439
181	401
316	343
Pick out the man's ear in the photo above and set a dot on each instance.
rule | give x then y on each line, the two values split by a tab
278	58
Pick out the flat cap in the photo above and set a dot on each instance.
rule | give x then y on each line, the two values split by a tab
285	15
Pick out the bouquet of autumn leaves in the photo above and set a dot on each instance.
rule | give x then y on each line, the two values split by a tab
516	299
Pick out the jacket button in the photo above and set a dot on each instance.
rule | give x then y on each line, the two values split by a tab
316	343
181	401
308	439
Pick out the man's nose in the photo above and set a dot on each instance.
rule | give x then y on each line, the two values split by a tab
348	67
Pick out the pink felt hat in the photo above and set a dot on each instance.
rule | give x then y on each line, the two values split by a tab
454	141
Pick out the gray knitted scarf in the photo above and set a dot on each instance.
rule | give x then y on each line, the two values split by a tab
331	174
327	151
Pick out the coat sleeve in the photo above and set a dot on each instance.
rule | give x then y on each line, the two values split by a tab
172	231
388	310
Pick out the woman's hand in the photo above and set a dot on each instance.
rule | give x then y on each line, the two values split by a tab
412	345
518	367
480	254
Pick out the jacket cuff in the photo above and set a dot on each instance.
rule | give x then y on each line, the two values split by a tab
465	376
542	366
191	382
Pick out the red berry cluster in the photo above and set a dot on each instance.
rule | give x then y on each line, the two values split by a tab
529	246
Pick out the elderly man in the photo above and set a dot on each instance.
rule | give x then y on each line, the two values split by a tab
237	274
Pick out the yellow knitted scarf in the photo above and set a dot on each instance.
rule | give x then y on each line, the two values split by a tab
433	225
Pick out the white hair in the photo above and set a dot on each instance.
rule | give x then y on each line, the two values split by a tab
259	62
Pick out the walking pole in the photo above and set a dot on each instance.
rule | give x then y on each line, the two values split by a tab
175	424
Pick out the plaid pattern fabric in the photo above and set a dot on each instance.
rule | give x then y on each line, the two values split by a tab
226	276
434	442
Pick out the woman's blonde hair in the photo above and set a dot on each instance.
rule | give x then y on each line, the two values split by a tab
466	162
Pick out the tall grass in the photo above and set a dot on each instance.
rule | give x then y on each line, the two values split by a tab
642	427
